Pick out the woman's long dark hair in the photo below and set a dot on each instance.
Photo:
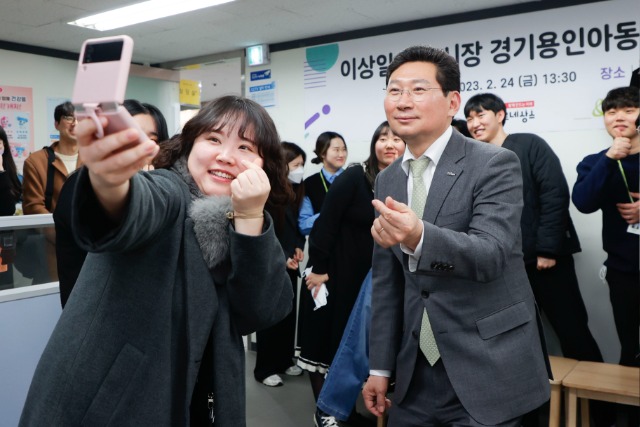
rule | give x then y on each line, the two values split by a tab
371	168
252	122
322	145
10	167
135	107
291	151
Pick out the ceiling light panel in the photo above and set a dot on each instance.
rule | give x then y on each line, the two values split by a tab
142	12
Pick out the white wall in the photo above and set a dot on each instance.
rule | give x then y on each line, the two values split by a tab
288	114
163	94
216	79
571	148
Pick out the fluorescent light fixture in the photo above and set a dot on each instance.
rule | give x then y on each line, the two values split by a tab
142	12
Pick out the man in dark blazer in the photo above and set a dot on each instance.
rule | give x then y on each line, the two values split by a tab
455	270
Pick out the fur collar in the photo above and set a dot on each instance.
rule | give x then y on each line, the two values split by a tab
209	215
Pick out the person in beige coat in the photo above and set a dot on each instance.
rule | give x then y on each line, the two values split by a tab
65	160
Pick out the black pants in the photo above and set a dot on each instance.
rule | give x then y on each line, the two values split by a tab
624	292
275	345
557	293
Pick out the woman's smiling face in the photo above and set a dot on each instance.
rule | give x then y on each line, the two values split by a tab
216	159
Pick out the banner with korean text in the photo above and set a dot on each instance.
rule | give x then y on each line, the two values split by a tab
552	68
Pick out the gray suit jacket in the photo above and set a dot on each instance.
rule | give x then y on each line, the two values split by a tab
129	344
472	281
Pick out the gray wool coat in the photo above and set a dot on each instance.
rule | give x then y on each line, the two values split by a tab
129	344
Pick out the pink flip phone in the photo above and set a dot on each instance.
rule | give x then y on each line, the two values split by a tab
101	82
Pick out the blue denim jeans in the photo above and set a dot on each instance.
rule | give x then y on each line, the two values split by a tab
350	366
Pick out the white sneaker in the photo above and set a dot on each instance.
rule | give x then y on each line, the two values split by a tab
273	381
293	371
320	419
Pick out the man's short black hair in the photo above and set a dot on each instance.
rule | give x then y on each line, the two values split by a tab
626	96
64	109
461	126
448	71
485	101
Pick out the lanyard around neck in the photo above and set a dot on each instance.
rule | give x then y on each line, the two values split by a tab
624	178
324	183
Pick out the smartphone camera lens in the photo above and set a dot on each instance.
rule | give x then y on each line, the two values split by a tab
88	54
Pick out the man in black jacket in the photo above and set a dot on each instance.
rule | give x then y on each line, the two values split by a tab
548	236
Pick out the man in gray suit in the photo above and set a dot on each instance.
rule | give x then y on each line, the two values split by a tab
453	314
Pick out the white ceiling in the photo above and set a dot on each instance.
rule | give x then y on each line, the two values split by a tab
228	27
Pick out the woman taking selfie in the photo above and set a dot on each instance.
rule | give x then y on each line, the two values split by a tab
183	261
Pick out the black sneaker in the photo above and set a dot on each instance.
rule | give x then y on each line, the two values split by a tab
320	419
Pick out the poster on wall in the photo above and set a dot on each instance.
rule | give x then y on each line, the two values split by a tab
262	88
552	75
16	118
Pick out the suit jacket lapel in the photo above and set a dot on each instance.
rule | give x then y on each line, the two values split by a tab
395	185
447	173
398	189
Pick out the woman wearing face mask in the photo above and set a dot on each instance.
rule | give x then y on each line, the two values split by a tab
183	261
275	345
331	151
340	248
69	255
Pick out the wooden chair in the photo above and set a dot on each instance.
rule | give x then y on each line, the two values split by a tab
599	381
560	368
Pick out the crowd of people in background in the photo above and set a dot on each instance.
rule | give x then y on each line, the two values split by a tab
445	241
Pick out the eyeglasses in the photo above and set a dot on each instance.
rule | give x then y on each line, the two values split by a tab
69	119
417	94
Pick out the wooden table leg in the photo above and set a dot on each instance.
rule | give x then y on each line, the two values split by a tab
572	408
554	405
584	412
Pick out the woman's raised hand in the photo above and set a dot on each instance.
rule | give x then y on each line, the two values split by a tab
250	190
112	161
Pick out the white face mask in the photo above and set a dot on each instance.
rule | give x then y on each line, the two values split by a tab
296	175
